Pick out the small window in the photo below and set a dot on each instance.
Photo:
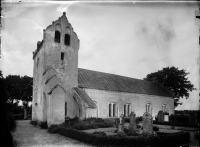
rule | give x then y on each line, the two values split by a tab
67	39
57	36
112	110
127	110
148	108
38	61
62	56
65	109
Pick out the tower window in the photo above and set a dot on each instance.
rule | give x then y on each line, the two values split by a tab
37	62
62	56
65	109
67	39
57	36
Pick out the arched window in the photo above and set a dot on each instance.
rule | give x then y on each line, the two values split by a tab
113	110
127	110
57	36
148	107
164	107
57	33
67	39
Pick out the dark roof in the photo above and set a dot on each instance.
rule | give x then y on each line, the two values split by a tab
104	81
84	96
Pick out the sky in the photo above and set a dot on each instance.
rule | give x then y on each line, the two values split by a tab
131	39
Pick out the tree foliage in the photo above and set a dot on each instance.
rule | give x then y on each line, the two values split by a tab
19	88
174	80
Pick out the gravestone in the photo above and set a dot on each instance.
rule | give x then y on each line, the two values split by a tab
140	127
160	116
166	117
132	125
121	125
147	123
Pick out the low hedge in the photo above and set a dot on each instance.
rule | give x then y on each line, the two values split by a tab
175	124
43	125
90	123
33	122
139	141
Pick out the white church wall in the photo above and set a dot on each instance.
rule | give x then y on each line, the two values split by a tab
138	102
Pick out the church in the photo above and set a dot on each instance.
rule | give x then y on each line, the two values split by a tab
61	89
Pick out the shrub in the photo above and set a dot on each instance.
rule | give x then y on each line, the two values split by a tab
11	121
33	122
138	119
93	123
197	136
127	119
71	121
53	129
140	140
100	133
155	128
179	118
43	125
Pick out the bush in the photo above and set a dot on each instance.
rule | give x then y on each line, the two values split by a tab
99	133
197	136
127	119
33	122
141	140
11	121
53	129
138	119
19	116
71	121
43	125
155	128
179	118
93	123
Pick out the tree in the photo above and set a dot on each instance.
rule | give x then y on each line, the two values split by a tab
19	88
6	123
174	80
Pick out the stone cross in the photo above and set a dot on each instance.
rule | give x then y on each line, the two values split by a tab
121	125
147	123
121	119
160	116
132	125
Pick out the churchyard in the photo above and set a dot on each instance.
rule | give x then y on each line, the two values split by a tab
138	131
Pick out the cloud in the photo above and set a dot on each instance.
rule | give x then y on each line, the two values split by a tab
64	7
36	26
13	8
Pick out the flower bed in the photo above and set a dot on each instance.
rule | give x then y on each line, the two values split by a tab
141	140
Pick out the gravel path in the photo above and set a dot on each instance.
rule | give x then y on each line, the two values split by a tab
27	135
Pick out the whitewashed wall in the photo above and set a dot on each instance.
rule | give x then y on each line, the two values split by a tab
137	101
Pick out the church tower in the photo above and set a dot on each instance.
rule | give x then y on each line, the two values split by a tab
55	71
